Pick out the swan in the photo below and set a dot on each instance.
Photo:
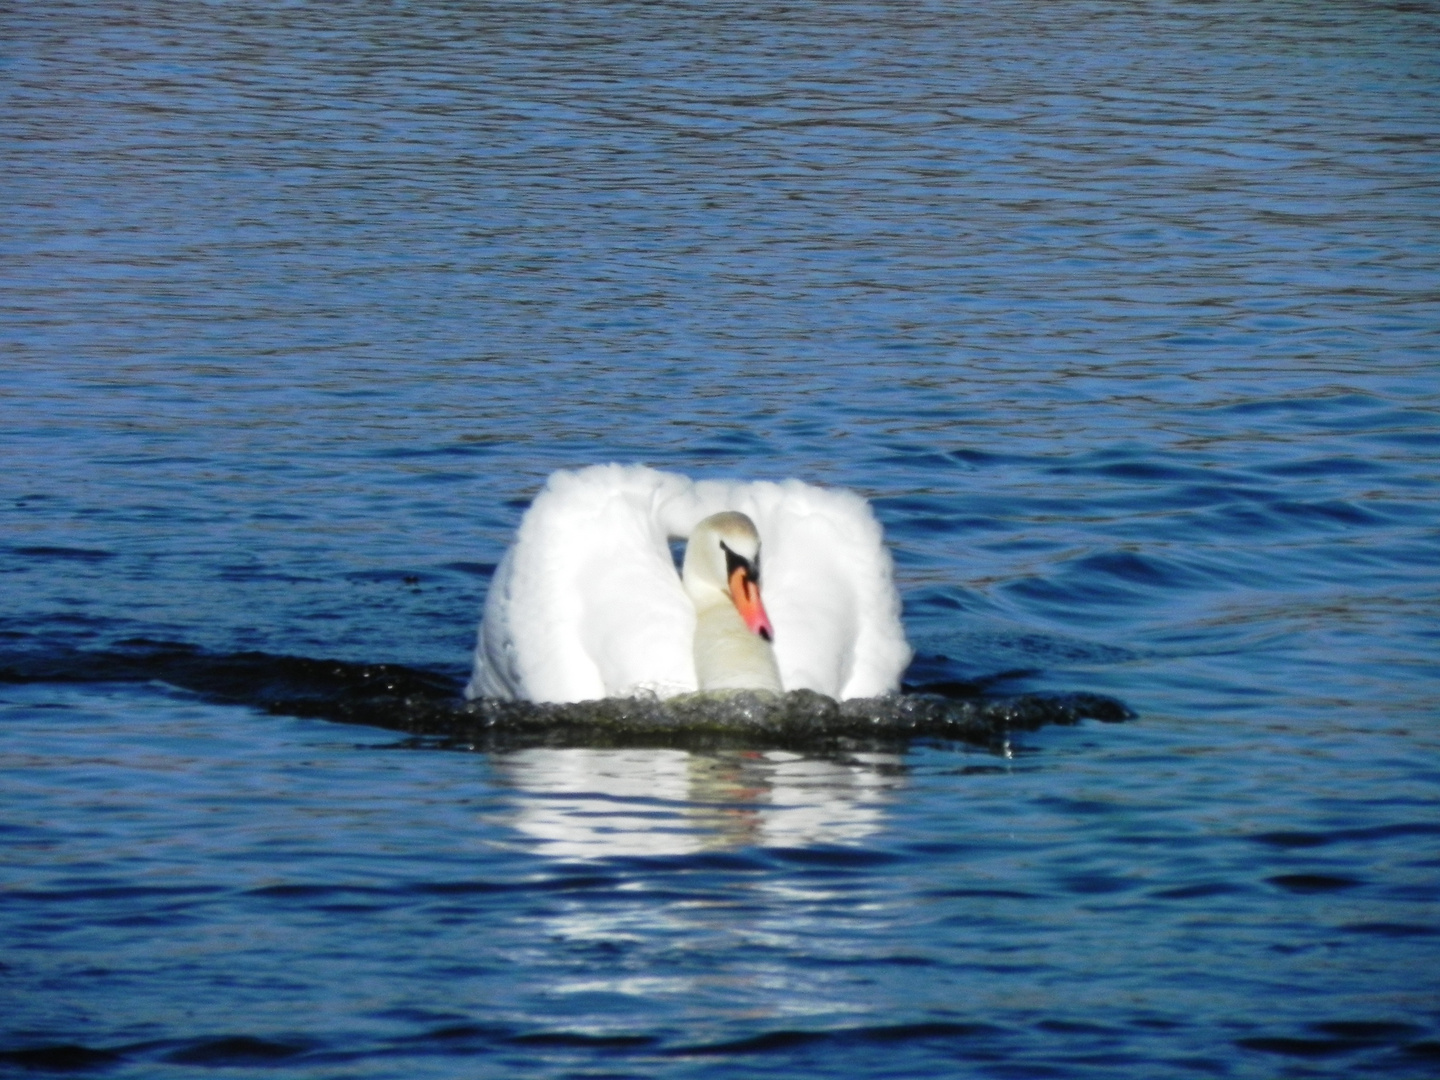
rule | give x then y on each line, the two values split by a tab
586	602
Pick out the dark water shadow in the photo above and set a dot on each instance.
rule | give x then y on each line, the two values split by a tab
428	706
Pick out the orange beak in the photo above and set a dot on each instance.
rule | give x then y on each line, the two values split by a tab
746	594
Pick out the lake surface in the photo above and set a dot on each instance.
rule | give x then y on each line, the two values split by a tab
1126	317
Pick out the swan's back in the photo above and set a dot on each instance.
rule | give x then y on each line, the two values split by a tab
587	602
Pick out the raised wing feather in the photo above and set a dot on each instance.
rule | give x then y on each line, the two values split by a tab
587	603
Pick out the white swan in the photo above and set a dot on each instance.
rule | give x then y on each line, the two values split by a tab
587	604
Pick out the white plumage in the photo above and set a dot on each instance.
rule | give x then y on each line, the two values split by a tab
587	602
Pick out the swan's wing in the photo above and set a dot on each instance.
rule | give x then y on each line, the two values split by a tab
826	577
587	602
829	583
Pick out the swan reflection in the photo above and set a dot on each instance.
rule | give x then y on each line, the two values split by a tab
583	803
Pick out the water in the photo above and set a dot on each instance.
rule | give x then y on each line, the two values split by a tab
1124	316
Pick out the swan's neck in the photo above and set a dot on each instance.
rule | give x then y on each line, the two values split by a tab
728	656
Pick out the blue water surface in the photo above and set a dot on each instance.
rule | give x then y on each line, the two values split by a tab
1124	316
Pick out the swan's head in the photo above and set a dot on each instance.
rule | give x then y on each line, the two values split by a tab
724	555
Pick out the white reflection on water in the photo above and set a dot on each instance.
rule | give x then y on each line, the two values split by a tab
582	803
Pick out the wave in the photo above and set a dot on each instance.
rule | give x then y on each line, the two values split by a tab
427	705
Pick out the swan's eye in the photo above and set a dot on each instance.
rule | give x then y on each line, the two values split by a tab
735	562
